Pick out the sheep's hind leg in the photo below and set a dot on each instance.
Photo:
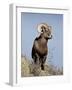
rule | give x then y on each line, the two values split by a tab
42	67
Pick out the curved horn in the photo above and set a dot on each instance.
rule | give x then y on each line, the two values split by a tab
39	29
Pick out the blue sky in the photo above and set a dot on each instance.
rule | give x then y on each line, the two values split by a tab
29	22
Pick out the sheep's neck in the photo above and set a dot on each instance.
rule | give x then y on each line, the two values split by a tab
43	40
42	46
42	43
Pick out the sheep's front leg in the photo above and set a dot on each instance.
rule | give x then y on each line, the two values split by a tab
37	59
43	62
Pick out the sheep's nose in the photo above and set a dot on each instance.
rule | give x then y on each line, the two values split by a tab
49	34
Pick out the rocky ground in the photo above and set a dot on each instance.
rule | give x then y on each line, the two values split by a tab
29	69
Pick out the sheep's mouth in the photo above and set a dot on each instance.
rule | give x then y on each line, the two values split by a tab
49	36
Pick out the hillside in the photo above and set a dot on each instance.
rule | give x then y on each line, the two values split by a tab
29	69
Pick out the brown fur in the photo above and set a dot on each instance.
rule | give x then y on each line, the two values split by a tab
40	49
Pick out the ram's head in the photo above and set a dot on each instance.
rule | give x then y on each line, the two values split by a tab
45	30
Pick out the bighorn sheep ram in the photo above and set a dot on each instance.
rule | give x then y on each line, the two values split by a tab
40	49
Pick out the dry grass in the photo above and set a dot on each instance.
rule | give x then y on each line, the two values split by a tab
29	69
25	70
